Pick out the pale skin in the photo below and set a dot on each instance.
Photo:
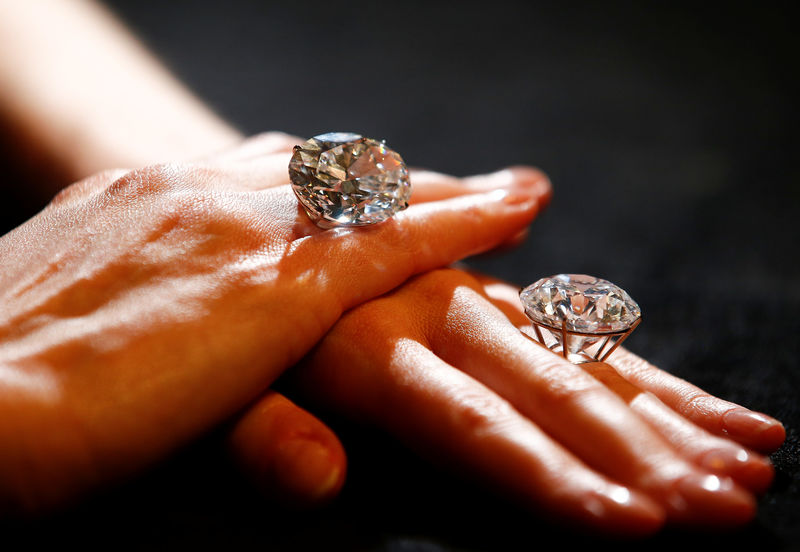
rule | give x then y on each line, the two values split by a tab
128	334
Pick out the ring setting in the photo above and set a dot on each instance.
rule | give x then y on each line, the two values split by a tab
345	179
580	317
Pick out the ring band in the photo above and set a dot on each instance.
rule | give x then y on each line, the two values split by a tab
581	317
345	179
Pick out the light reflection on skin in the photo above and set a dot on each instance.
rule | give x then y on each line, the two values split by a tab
742	456
314	277
40	384
497	195
620	495
594	506
129	312
711	483
342	232
260	266
498	179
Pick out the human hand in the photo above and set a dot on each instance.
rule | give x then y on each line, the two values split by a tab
619	447
142	308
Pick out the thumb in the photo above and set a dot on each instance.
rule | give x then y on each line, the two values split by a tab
288	453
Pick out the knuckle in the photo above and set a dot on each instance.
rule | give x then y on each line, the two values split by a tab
86	188
148	181
564	388
179	196
697	402
74	192
177	192
442	281
481	413
560	396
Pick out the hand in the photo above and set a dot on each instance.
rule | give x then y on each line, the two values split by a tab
142	308
617	447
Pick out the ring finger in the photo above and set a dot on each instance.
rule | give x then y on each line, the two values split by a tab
575	408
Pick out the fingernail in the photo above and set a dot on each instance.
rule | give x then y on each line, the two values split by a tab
752	427
503	178
307	471
514	198
507	197
533	180
748	469
746	421
522	178
530	180
705	498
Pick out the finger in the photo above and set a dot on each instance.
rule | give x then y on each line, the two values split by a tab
433	186
719	416
287	452
267	171
718	455
365	262
457	422
579	411
752	429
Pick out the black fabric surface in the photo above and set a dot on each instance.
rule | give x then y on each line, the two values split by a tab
670	135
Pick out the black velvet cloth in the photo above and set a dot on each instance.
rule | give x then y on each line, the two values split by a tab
670	135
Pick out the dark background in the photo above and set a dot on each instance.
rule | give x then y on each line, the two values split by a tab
670	135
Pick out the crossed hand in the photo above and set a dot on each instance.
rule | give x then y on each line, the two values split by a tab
142	308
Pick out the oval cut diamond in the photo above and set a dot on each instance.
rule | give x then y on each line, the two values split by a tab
584	303
344	179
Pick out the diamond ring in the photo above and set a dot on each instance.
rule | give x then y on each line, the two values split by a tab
345	179
581	317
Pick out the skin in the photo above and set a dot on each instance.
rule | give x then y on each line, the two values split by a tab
71	77
608	447
289	454
158	302
482	410
79	95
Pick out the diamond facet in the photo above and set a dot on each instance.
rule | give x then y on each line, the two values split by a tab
344	179
583	309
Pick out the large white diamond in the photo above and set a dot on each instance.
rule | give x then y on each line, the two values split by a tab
581	304
344	179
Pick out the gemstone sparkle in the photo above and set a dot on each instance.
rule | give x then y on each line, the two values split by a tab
586	307
345	179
